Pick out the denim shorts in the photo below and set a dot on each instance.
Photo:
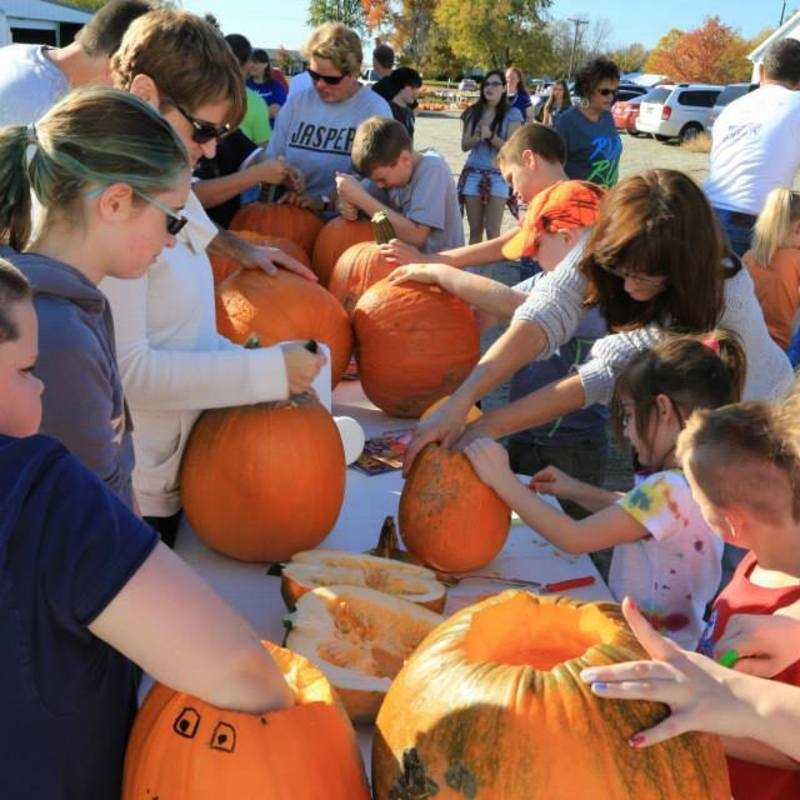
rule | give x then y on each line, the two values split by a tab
499	188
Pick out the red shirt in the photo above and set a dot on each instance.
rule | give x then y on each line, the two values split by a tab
740	596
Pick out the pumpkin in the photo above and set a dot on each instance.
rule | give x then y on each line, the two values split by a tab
222	266
263	482
325	567
491	706
182	748
283	307
415	344
337	236
449	518
362	265
359	638
275	219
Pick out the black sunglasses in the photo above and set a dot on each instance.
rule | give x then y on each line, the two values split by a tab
203	131
607	92
331	80
175	222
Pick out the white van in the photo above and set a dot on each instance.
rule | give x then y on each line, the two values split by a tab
677	111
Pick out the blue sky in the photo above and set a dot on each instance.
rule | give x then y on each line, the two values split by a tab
270	23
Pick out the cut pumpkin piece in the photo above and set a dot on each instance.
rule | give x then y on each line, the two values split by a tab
360	639
325	567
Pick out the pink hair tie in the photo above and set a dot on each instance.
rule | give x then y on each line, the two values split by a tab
711	342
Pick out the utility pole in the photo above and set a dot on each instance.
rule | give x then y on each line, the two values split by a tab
783	13
577	22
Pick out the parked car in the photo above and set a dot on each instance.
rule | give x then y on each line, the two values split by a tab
677	111
628	91
468	85
733	91
626	112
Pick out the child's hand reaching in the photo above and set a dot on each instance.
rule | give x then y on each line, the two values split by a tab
421	273
489	460
766	643
552	480
402	253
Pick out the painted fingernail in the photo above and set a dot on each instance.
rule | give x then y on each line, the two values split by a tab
599	686
637	740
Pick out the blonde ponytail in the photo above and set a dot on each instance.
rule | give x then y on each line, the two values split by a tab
774	224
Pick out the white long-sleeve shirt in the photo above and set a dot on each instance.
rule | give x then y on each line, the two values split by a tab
173	362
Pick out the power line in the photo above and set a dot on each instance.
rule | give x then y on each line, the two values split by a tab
577	22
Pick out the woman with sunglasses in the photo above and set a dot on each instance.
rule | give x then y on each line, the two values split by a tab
111	177
314	131
173	362
594	146
485	127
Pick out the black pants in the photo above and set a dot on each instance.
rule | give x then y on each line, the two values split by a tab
166	527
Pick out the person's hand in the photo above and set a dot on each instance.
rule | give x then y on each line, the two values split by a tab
485	130
552	480
421	273
697	689
347	210
489	460
301	201
444	425
295	180
274	172
402	253
302	366
269	259
349	188
766	643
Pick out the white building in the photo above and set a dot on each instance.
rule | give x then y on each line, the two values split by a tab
40	22
789	30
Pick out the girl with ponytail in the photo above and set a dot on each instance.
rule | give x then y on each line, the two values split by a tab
774	262
665	556
111	178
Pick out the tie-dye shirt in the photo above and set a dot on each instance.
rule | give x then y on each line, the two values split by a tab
675	571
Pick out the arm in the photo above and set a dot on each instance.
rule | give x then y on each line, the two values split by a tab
253	256
473	255
758	753
215	191
280	133
604	529
469	138
553	481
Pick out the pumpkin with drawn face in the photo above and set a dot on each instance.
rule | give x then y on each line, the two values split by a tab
184	749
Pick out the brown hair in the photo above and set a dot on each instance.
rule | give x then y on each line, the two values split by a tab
658	222
14	288
186	57
694	371
539	139
102	34
732	450
336	43
592	74
378	143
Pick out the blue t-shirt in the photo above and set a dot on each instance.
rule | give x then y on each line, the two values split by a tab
67	546
521	101
482	156
588	423
593	148
272	92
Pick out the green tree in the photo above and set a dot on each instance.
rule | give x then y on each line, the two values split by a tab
631	58
351	12
88	5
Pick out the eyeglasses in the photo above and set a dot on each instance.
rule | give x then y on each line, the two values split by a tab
175	222
645	280
331	80
494	83
606	92
203	131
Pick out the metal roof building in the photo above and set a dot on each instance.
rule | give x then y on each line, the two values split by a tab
40	21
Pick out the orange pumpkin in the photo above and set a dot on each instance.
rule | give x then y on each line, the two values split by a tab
263	482
281	308
182	748
415	344
298	224
449	518
491	706
337	236
222	266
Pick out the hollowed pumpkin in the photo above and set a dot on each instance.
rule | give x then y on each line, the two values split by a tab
491	706
324	567
337	236
182	748
415	344
359	638
281	308
222	266
263	482
449	518
298	224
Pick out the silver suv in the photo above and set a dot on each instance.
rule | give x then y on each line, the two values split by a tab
677	111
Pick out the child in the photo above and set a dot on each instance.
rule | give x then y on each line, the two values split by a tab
414	189
743	464
774	262
665	556
87	586
556	220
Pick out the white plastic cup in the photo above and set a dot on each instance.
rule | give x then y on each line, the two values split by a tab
352	438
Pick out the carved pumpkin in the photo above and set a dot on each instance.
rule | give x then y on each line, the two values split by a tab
362	265
324	567
280	308
182	748
298	224
491	706
449	518
359	638
415	344
223	266
337	236
263	482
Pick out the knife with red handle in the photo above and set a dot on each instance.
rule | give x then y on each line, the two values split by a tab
563	586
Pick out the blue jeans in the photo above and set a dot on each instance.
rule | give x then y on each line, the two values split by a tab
738	229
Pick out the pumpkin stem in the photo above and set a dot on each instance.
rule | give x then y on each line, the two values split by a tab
382	229
253	342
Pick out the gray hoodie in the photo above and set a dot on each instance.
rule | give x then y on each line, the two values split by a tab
83	402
